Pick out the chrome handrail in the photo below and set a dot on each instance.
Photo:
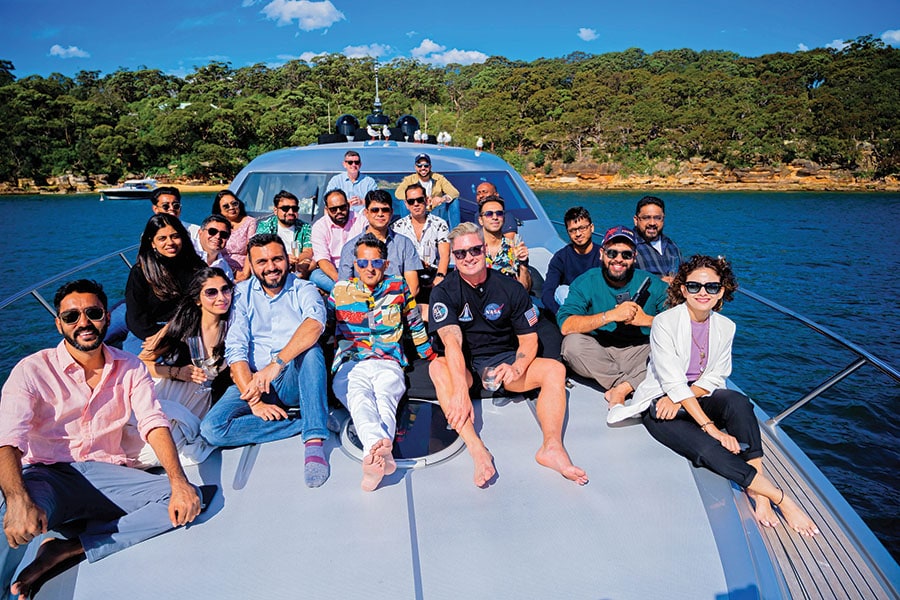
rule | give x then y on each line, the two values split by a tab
33	290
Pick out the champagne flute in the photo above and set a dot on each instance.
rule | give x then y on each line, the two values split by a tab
199	358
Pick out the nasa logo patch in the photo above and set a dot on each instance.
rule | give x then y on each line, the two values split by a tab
439	312
493	311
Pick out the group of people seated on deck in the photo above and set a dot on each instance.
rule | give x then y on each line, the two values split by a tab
233	337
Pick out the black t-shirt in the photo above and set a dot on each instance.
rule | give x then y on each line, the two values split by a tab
490	315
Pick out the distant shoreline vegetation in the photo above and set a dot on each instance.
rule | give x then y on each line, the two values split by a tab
818	119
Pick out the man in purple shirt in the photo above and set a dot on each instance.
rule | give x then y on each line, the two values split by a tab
62	415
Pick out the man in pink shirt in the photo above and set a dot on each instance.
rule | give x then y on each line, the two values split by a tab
62	414
329	234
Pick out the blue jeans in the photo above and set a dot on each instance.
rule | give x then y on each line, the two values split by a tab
322	281
122	506
448	212
301	382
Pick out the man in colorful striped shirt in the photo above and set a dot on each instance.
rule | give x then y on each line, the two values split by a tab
370	312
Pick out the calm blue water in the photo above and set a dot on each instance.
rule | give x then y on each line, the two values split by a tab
831	256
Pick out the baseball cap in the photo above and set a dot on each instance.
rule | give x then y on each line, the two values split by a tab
423	157
619	233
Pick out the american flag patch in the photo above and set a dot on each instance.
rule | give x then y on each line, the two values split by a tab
532	316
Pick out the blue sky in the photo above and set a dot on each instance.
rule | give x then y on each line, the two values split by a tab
67	36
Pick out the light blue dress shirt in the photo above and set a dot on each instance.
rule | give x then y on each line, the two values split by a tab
402	256
261	325
362	186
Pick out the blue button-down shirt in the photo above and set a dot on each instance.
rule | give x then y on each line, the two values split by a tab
650	260
362	186
402	256
261	325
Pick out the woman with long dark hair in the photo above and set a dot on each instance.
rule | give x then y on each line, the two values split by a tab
243	227
184	390
165	265
684	403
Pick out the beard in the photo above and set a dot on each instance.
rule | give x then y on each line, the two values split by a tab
625	276
73	338
274	285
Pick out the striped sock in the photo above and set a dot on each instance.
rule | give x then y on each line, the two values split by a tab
315	469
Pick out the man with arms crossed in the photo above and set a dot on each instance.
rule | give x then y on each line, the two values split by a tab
276	363
606	327
62	415
329	234
571	260
486	319
354	186
656	252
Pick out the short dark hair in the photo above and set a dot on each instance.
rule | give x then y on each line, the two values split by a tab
335	191
415	186
350	153
284	194
79	286
264	239
217	203
492	198
215	219
649	200
165	190
576	213
370	241
379	196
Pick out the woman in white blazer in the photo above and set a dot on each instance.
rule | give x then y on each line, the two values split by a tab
683	402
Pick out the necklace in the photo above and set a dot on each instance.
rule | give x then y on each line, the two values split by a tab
704	333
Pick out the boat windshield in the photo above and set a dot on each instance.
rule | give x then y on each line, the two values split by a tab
258	190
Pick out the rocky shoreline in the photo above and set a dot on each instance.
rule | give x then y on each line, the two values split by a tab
695	174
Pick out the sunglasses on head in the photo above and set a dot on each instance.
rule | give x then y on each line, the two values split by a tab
380	209
626	254
363	263
222	233
93	313
173	206
339	208
353	162
711	287
419	200
422	165
289	208
211	293
473	251
490	214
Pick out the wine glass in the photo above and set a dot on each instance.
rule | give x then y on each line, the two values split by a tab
199	358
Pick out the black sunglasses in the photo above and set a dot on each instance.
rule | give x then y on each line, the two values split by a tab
338	208
473	251
422	165
626	254
225	290
289	208
493	213
93	313
380	209
711	287
173	206
353	162
230	206
222	233
419	200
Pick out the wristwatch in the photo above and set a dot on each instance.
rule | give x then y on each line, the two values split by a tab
277	360
439	274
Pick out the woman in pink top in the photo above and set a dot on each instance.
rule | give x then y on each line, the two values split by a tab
243	226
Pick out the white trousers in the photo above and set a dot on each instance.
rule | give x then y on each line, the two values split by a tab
371	390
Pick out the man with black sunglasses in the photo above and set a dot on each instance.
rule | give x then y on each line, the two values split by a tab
62	463
330	232
440	195
354	185
293	232
403	259
606	318
487	325
214	233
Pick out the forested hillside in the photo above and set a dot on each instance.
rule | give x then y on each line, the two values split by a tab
636	109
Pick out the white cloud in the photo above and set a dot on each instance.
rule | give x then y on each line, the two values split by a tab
309	15
305	57
802	47
891	36
427	47
373	50
70	52
837	44
587	34
462	57
410	34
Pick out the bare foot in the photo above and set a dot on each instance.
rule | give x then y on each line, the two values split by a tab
555	457
796	519
765	514
384	448
373	472
617	394
484	466
52	554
